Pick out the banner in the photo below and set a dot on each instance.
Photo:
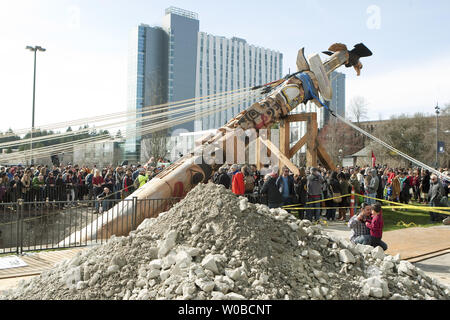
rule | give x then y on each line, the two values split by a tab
441	146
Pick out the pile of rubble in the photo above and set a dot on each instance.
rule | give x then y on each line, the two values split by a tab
214	245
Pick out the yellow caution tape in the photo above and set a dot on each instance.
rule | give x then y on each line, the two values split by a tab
403	224
397	205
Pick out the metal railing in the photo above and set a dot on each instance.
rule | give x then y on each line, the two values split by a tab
44	225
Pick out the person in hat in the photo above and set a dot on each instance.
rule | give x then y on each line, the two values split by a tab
314	190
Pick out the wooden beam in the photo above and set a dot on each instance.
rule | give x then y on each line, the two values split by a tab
284	137
325	158
299	117
311	149
258	152
283	159
300	143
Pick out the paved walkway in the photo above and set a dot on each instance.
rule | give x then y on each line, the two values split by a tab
415	245
36	264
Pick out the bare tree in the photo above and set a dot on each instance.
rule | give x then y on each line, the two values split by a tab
446	110
156	145
335	136
358	108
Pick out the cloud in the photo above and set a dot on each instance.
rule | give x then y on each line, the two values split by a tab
412	89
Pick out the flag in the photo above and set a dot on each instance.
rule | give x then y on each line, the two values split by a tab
373	160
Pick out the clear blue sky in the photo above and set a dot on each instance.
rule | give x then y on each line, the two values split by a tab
83	72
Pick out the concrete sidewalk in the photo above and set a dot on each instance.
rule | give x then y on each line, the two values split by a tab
413	244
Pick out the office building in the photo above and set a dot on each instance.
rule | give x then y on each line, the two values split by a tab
176	62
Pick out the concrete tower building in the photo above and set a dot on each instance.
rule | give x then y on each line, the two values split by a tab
176	62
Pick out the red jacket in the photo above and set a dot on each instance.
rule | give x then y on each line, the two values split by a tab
376	226
237	184
98	180
391	176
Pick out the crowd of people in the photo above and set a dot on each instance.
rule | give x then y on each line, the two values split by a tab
268	185
67	184
280	188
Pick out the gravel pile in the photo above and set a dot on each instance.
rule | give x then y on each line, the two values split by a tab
214	245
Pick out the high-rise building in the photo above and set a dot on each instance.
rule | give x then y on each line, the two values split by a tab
337	103
176	62
147	81
225	65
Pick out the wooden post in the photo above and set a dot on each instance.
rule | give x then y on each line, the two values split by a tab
311	148
285	137
258	151
283	159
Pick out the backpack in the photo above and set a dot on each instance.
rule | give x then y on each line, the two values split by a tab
89	179
136	183
334	194
249	183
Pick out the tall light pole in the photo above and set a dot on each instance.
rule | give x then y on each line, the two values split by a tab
34	49
437	130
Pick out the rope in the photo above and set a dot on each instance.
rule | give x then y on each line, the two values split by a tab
417	162
154	115
143	130
146	109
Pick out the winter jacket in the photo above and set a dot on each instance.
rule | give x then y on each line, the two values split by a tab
396	187
280	185
237	183
300	190
273	194
436	193
356	185
224	180
376	226
314	185
426	183
373	185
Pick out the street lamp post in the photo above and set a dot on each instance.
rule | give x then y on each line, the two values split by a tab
34	49
437	130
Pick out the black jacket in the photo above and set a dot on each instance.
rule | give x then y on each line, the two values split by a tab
224	179
300	190
273	195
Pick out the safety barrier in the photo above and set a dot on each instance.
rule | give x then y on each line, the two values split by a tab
397	205
34	226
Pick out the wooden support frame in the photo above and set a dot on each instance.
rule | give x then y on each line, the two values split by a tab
314	151
283	159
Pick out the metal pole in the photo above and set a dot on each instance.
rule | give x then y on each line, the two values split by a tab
437	139
32	117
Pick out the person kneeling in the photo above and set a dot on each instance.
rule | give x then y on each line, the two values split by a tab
375	225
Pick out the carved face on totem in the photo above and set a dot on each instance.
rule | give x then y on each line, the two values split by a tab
265	113
261	115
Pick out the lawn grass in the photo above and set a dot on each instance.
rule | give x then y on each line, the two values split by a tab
393	219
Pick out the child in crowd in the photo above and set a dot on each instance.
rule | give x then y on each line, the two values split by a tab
388	192
375	225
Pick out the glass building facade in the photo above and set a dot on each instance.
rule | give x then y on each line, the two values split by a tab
225	65
176	62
